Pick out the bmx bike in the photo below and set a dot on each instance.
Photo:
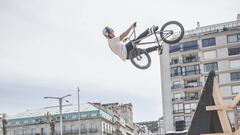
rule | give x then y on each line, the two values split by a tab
170	33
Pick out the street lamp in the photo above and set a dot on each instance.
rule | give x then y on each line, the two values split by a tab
60	107
79	115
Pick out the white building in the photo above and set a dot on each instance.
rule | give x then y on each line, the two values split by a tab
185	66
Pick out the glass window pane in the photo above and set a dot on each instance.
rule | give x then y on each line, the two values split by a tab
210	66
232	38
234	51
235	76
236	89
235	63
208	42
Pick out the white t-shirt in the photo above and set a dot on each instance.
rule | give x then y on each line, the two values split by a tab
118	47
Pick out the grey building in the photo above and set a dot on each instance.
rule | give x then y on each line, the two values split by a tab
93	121
185	66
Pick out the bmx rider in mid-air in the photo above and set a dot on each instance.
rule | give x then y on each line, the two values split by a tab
116	42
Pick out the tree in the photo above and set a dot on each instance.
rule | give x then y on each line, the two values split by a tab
51	121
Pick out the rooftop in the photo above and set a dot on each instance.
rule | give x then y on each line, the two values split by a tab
232	25
54	111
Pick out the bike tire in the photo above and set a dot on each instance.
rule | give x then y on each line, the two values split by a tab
134	57
180	36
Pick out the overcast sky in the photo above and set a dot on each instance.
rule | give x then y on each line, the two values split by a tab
49	47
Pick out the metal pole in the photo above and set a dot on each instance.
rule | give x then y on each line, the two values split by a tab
79	115
60	106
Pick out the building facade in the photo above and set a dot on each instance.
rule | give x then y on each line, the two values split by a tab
185	66
93	121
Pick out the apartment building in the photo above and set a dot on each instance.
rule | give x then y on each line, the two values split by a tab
185	66
93	121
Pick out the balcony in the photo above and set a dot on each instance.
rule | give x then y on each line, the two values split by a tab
190	59
185	86
187	98
186	73
176	74
185	60
191	72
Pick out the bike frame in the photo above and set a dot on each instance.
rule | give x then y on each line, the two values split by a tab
157	40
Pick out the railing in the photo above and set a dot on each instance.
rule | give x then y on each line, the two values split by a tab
191	72
213	28
187	98
183	49
182	86
186	73
176	74
185	60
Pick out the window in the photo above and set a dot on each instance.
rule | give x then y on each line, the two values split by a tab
33	131
235	63
178	108
94	114
210	66
83	126
174	48
177	95
235	76
93	126
190	70
235	89
190	59
187	108
208	42
175	71
210	54
234	51
174	61
176	85
188	120
178	118
190	45
233	38
191	83
83	115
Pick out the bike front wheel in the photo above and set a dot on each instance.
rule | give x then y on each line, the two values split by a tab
140	58
172	32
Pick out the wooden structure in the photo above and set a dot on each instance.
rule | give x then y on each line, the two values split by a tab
211	116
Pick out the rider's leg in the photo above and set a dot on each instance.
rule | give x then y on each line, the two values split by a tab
129	47
151	49
145	33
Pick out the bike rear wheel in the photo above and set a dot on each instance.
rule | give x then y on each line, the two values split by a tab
172	32
140	58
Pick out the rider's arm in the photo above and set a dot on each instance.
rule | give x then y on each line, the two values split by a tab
124	34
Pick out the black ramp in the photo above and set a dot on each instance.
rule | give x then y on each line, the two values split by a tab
205	121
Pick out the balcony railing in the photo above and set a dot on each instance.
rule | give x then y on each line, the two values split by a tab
184	86
191	72
185	61
186	73
187	98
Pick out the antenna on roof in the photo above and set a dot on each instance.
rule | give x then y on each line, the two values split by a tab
198	24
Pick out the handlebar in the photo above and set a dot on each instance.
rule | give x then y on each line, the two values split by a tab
135	24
